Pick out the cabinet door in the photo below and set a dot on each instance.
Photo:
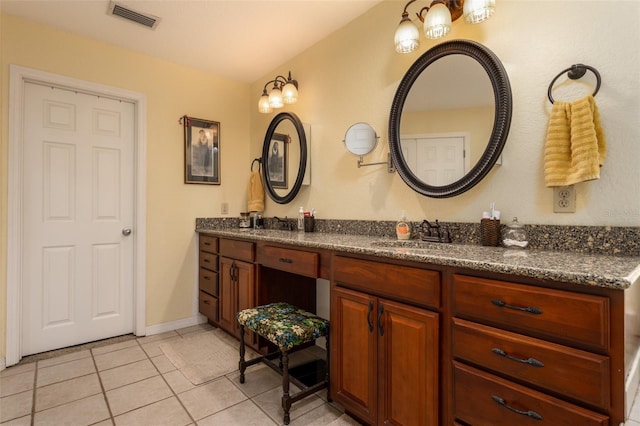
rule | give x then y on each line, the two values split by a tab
408	358
353	352
246	295
227	298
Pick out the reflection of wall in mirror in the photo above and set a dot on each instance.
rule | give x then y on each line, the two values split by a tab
477	122
286	127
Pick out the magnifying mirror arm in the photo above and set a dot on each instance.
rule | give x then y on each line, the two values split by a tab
390	167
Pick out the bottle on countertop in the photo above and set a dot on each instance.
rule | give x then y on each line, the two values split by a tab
403	228
301	219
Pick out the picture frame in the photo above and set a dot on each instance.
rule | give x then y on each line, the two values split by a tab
201	151
277	161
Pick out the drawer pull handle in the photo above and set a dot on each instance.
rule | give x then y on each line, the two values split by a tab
206	261
285	260
531	361
529	309
369	316
207	244
380	326
528	413
206	302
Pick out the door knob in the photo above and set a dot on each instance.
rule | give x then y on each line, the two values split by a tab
126	231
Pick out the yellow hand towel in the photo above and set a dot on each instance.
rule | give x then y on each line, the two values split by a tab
255	193
576	146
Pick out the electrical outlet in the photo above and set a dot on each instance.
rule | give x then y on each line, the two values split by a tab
564	199
224	208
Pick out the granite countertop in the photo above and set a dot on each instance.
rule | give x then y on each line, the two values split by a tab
617	272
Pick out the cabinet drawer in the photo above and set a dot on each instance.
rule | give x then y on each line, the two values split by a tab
208	281
297	262
235	249
208	243
481	399
208	306
412	285
209	261
556	315
547	365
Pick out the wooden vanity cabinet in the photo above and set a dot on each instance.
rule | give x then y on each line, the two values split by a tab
208	302
237	284
529	355
384	353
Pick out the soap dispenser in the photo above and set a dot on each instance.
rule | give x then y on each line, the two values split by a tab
403	228
514	235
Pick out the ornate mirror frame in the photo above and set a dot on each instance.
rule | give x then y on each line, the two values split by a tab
271	131
501	124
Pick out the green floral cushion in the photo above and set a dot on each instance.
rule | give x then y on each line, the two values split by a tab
284	325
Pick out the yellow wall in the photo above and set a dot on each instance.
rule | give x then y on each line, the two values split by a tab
171	91
352	76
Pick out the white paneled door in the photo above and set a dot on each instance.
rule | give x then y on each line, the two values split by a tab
78	198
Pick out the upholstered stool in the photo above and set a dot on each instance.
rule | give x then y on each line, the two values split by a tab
286	327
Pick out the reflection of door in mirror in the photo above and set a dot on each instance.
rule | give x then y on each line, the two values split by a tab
454	96
437	159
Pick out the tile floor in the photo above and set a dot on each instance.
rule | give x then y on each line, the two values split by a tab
132	382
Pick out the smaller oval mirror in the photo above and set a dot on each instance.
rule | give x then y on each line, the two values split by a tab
284	157
360	139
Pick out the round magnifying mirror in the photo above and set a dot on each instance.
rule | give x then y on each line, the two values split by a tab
360	139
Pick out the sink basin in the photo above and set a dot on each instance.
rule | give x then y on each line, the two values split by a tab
418	245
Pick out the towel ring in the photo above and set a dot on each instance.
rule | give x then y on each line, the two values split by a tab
259	163
575	72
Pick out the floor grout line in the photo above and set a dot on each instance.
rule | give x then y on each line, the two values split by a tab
147	357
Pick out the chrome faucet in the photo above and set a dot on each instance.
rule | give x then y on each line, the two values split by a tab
435	232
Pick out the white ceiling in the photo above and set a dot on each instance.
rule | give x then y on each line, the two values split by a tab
238	39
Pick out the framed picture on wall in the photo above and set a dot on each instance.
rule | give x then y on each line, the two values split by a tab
277	160
201	151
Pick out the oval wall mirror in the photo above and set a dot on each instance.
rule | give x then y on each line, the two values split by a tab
450	118
284	157
360	139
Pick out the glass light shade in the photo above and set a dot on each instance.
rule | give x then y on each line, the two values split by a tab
289	94
437	23
275	98
263	104
476	11
407	36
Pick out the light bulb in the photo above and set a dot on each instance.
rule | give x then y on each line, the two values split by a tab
275	98
476	11
407	36
437	23
289	94
263	104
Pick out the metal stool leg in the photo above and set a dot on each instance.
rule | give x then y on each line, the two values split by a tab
286	398
242	365
328	376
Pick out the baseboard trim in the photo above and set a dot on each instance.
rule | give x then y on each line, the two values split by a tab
175	325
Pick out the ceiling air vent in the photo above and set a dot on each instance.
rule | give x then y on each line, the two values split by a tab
118	9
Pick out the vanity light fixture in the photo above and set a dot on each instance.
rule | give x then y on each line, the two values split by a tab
437	20
284	91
